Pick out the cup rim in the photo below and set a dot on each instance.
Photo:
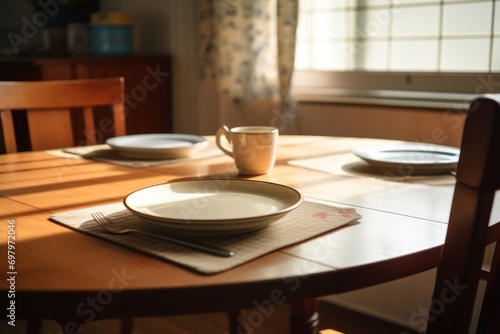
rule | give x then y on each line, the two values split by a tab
254	129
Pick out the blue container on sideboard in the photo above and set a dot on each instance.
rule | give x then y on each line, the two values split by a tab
111	33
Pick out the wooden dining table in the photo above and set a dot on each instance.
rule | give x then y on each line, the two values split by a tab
58	272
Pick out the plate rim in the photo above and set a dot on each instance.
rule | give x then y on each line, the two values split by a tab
365	151
202	141
219	221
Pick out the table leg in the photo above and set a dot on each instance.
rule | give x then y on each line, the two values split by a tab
237	322
126	325
34	326
304	317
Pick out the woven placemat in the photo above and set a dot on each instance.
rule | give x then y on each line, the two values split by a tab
308	220
105	153
348	164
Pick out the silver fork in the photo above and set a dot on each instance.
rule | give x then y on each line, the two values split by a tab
109	226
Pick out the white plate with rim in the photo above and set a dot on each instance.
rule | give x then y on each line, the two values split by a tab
157	145
215	206
411	158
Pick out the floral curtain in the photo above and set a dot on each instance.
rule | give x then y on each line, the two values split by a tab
247	50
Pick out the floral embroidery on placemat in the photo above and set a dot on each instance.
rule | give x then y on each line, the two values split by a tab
321	214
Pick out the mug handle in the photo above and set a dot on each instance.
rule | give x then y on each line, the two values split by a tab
224	130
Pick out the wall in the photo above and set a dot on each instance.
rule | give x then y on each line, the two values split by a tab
437	126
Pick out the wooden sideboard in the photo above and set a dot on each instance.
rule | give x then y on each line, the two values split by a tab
147	86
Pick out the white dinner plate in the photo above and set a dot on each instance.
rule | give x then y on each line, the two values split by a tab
411	159
157	145
216	206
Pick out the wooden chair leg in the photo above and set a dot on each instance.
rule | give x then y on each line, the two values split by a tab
304	317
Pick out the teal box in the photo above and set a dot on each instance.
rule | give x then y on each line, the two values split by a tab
111	40
111	33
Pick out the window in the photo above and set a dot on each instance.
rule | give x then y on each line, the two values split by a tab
387	47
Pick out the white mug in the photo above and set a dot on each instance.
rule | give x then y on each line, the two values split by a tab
253	148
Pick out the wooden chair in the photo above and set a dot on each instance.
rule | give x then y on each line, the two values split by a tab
53	100
56	98
462	265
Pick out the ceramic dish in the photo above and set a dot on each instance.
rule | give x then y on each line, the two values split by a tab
214	206
157	145
411	159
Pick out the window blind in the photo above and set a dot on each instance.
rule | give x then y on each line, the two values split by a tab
399	35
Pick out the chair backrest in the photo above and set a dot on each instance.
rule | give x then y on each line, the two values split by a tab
44	100
460	268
